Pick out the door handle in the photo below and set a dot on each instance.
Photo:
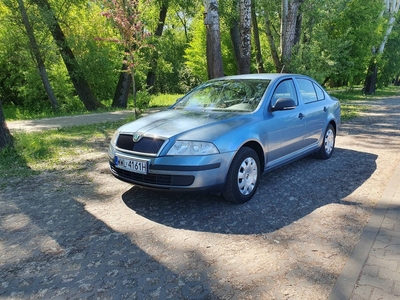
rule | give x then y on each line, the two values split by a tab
325	109
301	116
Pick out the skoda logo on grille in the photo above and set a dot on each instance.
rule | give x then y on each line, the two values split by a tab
137	136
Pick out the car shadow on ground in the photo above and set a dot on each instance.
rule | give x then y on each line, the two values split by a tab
283	197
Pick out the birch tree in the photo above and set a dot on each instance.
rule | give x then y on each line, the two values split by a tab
391	8
213	40
289	33
245	36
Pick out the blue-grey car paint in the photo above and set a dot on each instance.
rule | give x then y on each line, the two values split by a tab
279	136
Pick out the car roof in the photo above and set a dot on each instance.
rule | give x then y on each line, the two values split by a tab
270	76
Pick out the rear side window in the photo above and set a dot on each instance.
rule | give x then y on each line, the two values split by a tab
307	90
320	92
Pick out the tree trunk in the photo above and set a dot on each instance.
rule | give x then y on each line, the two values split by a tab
235	38
370	81
245	37
391	9
256	34
77	77
214	55
38	57
151	75
273	48
123	88
290	29
5	135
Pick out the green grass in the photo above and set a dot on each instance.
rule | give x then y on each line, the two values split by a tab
164	100
54	149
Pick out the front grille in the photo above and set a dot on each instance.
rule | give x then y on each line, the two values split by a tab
157	179
144	145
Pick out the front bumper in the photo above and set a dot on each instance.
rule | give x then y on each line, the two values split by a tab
179	173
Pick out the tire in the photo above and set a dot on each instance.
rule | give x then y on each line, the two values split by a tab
328	144
243	176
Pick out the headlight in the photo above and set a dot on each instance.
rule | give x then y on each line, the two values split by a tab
114	138
111	149
192	148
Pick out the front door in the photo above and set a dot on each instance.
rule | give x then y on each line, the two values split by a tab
286	128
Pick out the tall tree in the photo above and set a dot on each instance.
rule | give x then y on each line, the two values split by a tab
77	77
213	40
289	33
5	135
151	75
38	57
126	17
256	34
390	12
245	36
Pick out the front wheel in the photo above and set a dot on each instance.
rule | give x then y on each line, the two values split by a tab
328	143
243	176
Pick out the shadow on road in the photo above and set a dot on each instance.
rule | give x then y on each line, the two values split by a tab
284	196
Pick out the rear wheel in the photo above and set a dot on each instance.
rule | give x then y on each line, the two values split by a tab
243	176
328	143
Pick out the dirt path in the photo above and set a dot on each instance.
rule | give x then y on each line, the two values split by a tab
85	234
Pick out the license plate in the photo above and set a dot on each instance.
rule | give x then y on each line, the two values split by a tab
131	164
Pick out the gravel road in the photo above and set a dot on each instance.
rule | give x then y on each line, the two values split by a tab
82	234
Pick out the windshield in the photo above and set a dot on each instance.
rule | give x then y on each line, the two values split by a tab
227	94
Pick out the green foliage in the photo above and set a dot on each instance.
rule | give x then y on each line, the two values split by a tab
335	48
98	57
337	40
195	54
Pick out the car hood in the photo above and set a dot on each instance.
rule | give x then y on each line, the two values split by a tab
192	125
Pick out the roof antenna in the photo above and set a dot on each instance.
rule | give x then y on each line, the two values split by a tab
283	68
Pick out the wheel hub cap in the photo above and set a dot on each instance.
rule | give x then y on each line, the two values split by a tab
247	176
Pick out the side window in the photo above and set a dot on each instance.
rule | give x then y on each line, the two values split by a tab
285	89
320	92
307	90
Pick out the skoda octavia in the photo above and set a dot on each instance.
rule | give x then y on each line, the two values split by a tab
224	134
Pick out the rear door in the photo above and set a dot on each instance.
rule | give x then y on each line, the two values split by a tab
314	110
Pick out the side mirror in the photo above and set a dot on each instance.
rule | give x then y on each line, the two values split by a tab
284	104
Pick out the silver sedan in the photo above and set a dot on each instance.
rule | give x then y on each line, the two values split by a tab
225	133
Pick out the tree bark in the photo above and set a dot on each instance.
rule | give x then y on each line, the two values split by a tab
289	28
235	38
371	79
123	88
391	10
77	77
6	138
271	42
256	34
38	57
214	55
151	75
245	37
